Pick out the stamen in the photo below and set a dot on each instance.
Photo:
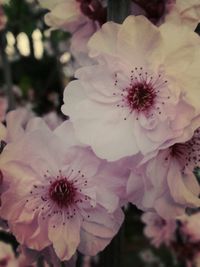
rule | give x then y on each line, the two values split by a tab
142	93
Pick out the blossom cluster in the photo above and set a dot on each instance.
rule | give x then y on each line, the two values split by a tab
180	235
82	18
133	136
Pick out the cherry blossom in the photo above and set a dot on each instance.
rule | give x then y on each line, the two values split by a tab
79	12
183	12
83	18
181	236
79	17
17	124
52	120
160	231
167	182
28	257
148	82
190	227
57	193
187	242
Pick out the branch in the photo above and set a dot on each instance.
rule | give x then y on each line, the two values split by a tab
118	10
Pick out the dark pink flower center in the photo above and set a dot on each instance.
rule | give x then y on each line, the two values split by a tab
188	153
62	192
160	223
178	150
143	93
4	262
141	96
154	9
94	10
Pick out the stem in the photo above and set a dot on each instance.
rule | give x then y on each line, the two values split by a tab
79	260
7	71
118	10
40	262
112	255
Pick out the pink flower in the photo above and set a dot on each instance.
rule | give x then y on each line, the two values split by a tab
191	228
167	182
187	245
79	12
56	193
63	14
132	101
17	123
52	120
81	18
28	257
79	42
160	231
184	12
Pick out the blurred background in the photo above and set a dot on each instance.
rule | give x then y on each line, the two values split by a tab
35	64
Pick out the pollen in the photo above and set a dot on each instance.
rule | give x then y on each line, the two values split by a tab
62	192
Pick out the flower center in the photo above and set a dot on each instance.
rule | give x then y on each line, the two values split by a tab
154	9
4	262
178	150
62	192
144	93
188	153
160	223
141	96
94	10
